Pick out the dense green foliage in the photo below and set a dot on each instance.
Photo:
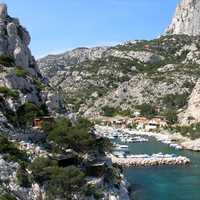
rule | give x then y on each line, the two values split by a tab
8	92
59	182
171	116
20	72
23	178
192	131
76	137
175	101
7	61
10	151
111	111
96	192
147	110
27	112
7	197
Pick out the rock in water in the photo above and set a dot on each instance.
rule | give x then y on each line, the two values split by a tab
186	19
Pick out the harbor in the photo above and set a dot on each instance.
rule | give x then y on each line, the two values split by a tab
151	179
122	139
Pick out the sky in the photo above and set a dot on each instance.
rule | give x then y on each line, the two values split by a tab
61	25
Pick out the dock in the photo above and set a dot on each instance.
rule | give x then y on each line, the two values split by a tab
152	161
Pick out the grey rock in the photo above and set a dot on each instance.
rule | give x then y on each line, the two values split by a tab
3	10
186	19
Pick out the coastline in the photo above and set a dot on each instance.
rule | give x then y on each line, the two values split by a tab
185	142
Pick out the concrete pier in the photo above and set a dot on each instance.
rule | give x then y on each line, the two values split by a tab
152	161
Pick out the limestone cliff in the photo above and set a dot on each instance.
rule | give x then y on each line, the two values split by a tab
192	113
186	19
20	78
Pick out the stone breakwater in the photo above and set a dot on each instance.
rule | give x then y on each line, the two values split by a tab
146	162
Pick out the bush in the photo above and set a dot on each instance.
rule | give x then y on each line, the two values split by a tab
192	131
76	137
39	84
10	151
60	183
23	178
171	116
8	92
41	169
7	197
64	183
94	191
26	113
7	61
20	72
147	110
108	111
175	101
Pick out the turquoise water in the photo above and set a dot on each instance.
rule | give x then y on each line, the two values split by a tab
168	182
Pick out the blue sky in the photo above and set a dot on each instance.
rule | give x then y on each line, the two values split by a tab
57	26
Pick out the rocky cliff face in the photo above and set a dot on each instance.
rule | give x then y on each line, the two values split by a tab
127	75
20	78
19	73
186	19
192	113
14	41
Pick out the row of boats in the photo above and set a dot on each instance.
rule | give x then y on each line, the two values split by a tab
125	137
169	142
121	154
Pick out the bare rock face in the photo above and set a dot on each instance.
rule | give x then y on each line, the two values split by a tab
186	19
3	10
14	41
192	113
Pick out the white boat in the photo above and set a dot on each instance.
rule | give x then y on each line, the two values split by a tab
121	147
166	141
161	155
176	146
138	156
119	154
110	137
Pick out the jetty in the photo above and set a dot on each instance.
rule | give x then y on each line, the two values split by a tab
149	161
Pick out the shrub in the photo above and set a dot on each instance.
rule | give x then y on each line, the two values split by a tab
175	101
7	61
171	116
76	137
64	183
94	191
23	178
20	72
60	183
10	151
192	131
8	92
147	110
41	169
7	197
39	84
26	113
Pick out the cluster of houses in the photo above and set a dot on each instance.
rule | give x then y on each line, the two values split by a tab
138	122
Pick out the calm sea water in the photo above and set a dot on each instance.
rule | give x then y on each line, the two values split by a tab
165	183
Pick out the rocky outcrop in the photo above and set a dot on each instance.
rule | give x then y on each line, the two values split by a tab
192	113
14	41
186	19
19	71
